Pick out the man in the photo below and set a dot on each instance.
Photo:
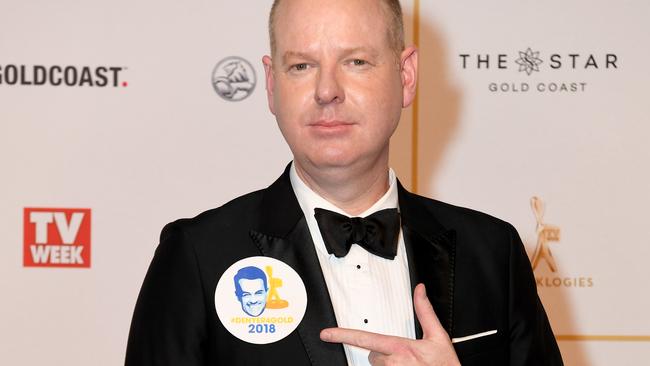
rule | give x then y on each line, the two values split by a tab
337	80
251	289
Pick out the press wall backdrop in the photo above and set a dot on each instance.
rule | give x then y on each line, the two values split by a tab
119	117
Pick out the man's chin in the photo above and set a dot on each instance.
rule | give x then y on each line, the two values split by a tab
332	158
337	161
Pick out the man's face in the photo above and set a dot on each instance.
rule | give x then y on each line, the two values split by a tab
335	84
253	299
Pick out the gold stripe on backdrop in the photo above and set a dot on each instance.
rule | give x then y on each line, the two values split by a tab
609	338
415	113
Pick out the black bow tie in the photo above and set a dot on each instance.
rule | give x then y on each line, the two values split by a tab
377	233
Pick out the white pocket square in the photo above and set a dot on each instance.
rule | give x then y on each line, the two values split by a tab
473	336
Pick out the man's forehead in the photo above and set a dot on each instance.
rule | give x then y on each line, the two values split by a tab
331	4
338	25
290	12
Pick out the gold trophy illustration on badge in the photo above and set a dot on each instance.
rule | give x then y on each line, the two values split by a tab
545	234
273	300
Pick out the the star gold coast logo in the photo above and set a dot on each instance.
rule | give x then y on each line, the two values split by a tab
541	68
547	233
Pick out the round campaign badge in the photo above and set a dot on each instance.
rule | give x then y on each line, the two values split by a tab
260	300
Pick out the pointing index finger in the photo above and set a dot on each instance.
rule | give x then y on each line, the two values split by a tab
426	315
370	341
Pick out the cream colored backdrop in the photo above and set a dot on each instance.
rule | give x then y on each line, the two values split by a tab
581	149
162	144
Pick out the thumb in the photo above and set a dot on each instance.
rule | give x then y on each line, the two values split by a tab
426	315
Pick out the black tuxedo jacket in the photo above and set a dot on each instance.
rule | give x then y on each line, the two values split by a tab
474	266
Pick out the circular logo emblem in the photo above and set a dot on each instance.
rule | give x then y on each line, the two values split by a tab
234	78
260	300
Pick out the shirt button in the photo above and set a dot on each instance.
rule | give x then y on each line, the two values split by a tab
365	321
358	266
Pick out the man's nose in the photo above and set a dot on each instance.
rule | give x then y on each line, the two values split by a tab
329	88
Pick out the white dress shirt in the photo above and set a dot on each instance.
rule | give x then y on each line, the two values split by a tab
368	292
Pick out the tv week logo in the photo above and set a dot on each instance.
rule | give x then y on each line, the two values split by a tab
56	237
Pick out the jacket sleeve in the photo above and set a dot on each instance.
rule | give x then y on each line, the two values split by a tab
531	339
169	324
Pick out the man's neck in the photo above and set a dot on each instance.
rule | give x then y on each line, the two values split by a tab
352	190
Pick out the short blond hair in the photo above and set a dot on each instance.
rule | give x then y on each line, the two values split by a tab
393	11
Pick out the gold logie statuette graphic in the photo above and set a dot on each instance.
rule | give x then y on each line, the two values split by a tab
545	234
273	300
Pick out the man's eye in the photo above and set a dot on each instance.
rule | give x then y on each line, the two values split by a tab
357	62
300	67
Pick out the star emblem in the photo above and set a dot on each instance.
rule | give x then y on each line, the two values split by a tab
528	61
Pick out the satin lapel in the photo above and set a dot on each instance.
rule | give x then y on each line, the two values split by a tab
284	235
430	250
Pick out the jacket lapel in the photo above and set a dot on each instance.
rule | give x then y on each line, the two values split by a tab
430	250
284	235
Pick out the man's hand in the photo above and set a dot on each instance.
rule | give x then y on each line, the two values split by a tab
434	349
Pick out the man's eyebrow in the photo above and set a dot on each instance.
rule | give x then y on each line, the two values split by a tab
343	51
293	54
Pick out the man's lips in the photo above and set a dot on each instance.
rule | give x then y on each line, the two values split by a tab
330	125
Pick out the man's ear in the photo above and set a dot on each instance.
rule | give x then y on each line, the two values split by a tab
409	72
268	75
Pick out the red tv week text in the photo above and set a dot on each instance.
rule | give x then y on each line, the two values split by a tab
56	237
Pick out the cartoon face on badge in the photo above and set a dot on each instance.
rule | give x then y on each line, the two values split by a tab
251	288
